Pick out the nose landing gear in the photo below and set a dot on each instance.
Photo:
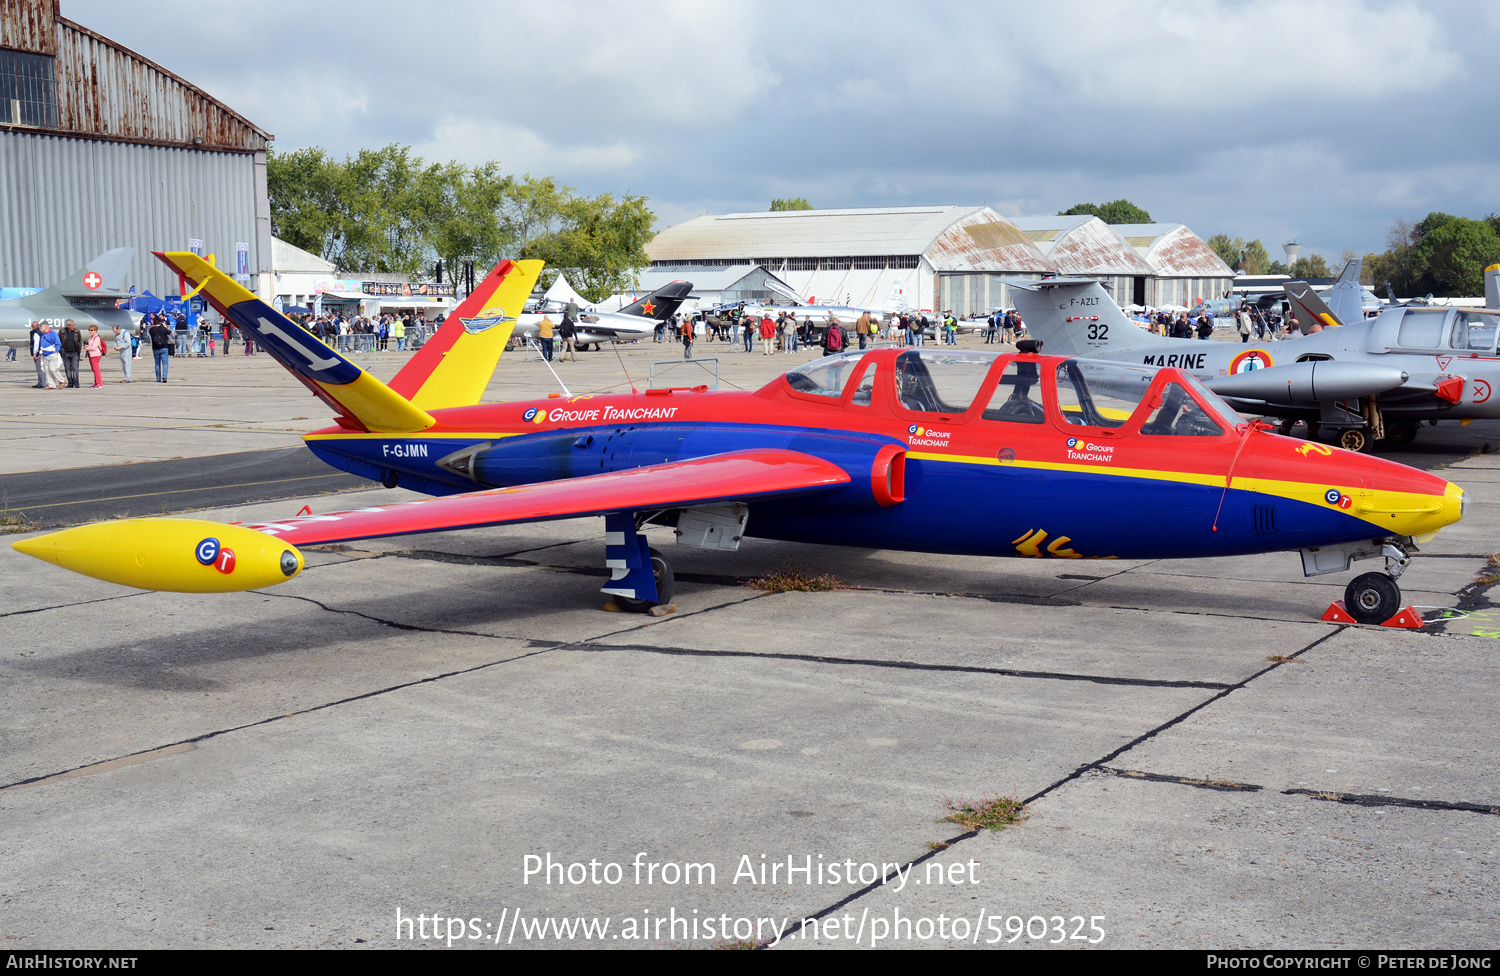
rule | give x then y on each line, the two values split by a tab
1370	598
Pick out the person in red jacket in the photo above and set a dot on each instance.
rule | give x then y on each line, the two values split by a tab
767	333
94	346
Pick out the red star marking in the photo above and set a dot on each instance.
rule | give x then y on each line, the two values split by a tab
648	309
92	281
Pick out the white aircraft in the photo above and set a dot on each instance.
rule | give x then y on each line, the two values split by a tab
629	324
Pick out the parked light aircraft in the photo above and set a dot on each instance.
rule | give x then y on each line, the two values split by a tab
924	450
87	296
633	322
1367	380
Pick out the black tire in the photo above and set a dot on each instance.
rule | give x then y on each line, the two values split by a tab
1400	436
1356	439
666	586
1286	427
1372	598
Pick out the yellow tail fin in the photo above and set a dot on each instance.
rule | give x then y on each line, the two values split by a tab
453	368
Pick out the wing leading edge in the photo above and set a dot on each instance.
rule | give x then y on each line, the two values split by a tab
736	476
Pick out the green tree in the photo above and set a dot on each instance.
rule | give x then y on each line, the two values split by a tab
1254	259
1114	212
387	210
600	242
1250	258
304	191
1227	250
1312	266
1453	255
796	203
472	224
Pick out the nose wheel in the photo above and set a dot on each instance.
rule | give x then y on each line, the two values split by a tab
1372	598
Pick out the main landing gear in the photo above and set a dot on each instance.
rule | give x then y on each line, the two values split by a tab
641	578
1370	598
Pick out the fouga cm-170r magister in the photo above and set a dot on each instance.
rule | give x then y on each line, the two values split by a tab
922	450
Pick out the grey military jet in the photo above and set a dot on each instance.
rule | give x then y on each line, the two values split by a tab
87	296
1366	380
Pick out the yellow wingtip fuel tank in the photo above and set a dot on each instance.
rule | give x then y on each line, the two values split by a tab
177	555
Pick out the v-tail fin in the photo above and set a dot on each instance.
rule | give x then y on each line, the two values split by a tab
361	401
453	368
1346	299
1310	309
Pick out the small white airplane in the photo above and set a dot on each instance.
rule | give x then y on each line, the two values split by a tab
631	323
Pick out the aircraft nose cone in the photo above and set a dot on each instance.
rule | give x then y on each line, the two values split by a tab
1405	501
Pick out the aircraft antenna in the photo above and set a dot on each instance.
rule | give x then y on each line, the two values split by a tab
1250	428
566	392
622	366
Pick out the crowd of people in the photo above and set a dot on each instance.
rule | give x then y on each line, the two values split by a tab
59	354
362	333
784	332
1248	321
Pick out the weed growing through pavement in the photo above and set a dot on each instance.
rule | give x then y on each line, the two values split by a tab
791	577
989	812
1284	659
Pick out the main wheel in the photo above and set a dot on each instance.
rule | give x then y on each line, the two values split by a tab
1355	439
666	585
1372	598
1400	436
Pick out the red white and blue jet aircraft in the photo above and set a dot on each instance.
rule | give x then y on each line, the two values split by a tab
924	450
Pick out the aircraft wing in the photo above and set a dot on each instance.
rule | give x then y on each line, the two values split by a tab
735	476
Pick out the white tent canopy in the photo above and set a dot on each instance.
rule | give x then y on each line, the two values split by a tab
563	293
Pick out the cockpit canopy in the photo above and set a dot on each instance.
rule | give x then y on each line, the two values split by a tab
964	386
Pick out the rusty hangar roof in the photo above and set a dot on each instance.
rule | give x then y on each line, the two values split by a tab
1173	251
951	238
106	91
1080	244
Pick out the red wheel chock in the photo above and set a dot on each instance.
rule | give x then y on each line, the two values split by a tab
1407	619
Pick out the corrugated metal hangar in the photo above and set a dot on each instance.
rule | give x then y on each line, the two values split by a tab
940	257
101	148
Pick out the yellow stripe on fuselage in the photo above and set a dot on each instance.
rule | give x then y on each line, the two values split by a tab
1394	512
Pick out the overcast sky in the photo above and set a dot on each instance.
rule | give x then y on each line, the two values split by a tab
1318	120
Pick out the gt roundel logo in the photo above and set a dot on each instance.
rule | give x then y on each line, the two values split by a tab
1250	359
914	429
1335	497
207	551
92	281
1072	442
529	415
